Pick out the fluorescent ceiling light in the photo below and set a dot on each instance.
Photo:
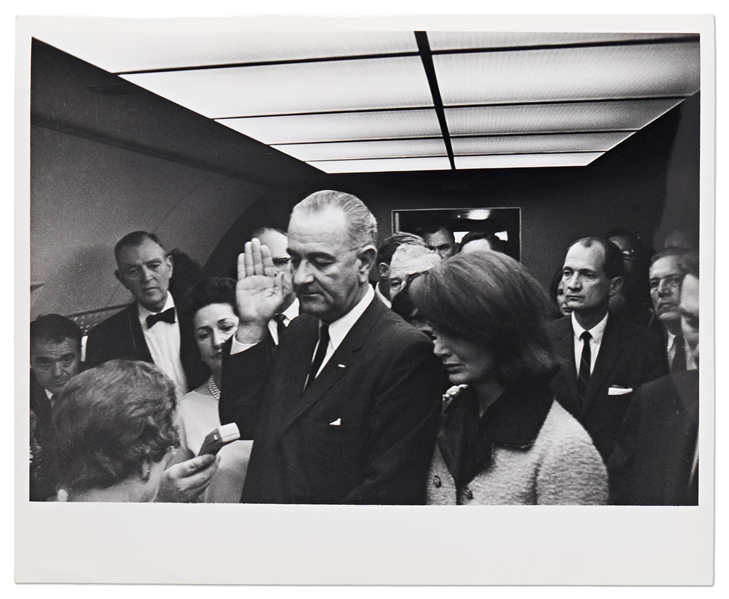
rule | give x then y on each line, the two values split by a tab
479	214
547	118
525	160
294	88
338	126
534	144
503	235
144	48
611	72
383	165
365	149
458	40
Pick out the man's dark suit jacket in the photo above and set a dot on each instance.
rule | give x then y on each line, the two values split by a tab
121	336
42	478
652	460
362	433
629	356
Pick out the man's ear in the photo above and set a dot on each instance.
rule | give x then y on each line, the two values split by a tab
383	269
146	469
367	256
616	285
170	263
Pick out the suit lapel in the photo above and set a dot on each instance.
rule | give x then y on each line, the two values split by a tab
340	362
565	348
137	335
606	357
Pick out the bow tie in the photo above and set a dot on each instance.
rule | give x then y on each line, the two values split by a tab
166	316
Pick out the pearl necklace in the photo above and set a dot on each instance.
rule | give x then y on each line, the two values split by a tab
213	388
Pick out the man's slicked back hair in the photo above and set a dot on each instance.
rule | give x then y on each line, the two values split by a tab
613	264
133	240
54	328
361	223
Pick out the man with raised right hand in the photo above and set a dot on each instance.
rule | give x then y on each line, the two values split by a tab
345	409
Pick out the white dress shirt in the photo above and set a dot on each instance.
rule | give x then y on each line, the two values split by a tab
337	330
383	299
289	314
163	341
596	334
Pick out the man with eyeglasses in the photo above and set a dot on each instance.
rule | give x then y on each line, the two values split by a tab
277	243
665	283
345	409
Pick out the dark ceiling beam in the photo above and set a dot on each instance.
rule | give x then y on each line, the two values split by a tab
427	57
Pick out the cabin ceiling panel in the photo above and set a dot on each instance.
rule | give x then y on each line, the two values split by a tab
383	165
548	118
526	160
532	144
401	148
294	87
343	126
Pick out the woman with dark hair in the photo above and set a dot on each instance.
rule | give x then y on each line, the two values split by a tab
211	305
503	438
113	432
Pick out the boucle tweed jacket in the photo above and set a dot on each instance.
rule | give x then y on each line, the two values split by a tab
532	452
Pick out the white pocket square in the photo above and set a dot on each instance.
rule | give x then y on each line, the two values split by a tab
337	422
615	390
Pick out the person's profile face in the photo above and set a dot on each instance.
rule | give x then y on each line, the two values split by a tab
665	285
55	363
213	325
564	309
465	362
442	242
327	272
145	270
689	308
586	285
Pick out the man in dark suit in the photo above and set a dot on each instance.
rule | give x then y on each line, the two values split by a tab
150	329
665	282
656	458
153	330
604	359
55	357
345	409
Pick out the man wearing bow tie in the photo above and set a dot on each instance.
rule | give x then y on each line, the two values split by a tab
149	329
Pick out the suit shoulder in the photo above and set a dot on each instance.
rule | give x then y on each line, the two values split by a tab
112	323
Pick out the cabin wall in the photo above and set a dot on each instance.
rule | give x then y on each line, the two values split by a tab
86	195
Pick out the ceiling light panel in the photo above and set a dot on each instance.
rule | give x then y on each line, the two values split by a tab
338	126
544	118
365	149
525	160
533	144
294	88
383	165
610	72
137	50
462	40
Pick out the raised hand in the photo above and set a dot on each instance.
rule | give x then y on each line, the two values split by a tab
260	291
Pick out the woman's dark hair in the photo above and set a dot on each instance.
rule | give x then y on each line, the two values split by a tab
108	420
218	290
491	300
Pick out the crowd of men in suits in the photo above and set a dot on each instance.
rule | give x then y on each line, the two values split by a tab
342	396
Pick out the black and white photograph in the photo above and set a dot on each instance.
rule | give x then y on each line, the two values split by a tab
305	295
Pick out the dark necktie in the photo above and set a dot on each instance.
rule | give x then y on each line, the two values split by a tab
679	356
280	324
321	351
166	316
583	377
